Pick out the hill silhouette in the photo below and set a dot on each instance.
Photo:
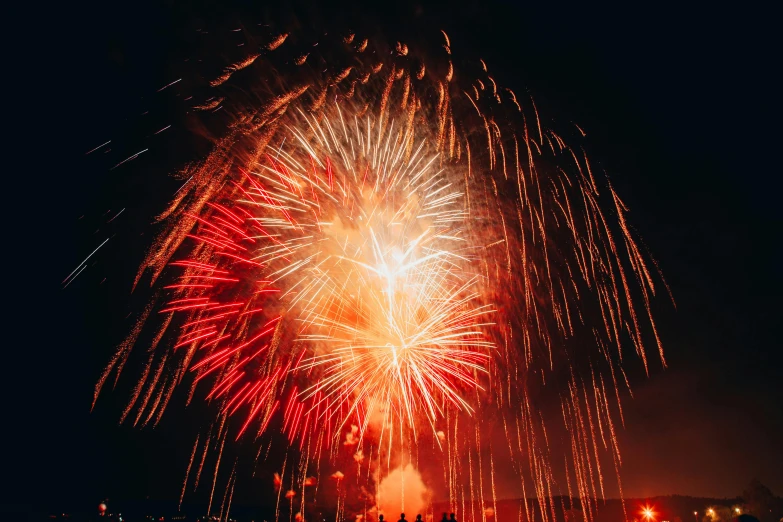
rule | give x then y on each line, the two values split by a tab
668	508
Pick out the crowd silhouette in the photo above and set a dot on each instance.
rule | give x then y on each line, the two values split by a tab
446	518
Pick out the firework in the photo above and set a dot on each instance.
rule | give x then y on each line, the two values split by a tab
374	259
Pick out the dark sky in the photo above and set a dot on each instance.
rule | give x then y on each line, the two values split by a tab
681	105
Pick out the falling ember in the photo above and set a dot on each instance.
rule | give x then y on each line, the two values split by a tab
187	473
374	260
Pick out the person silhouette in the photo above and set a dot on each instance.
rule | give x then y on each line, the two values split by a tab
380	518
402	518
418	518
452	518
445	518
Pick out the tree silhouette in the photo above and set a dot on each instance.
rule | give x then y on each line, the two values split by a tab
759	501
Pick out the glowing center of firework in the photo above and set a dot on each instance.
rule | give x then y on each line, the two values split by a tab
383	285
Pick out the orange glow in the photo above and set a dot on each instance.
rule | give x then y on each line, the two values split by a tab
648	512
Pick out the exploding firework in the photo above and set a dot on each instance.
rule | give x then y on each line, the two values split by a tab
376	258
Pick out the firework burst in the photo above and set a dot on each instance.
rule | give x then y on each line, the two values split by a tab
375	257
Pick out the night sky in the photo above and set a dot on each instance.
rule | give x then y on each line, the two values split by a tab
681	107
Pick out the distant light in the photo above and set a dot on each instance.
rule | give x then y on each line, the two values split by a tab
737	510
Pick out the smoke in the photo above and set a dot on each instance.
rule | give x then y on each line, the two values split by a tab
402	491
